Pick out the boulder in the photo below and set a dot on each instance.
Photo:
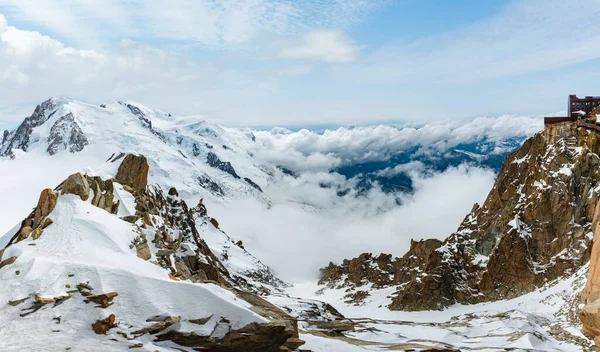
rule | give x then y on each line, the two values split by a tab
45	205
133	172
142	249
76	184
101	326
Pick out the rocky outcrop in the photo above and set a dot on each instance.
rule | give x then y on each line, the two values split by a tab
133	172
213	160
535	226
253	184
76	184
102	326
66	134
179	248
589	313
19	138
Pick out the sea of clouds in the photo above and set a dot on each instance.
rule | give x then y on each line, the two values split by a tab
309	225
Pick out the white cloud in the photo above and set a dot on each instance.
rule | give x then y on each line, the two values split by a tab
525	37
326	45
223	23
309	150
296	242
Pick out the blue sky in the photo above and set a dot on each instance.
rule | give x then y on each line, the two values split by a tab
301	63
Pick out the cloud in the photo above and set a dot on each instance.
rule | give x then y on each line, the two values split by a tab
297	241
525	37
309	150
326	45
224	24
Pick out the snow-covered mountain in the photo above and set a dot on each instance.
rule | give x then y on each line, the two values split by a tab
189	153
201	158
123	251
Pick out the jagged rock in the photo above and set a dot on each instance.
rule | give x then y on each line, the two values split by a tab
7	261
589	314
24	232
252	183
103	300
213	160
214	222
102	326
46	204
76	184
133	172
66	133
19	139
158	326
254	337
142	248
200	321
47	222
183	271
530	230
130	218
361	270
337	326
44	300
36	233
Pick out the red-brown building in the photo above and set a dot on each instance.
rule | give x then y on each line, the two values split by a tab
586	104
577	108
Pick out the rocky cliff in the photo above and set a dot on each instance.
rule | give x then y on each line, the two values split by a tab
535	226
173	276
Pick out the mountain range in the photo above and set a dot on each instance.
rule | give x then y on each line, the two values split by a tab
111	242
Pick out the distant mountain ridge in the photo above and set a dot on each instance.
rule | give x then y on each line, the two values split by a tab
231	162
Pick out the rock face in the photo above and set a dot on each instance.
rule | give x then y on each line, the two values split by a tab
19	138
535	226
133	172
213	160
589	314
78	185
66	134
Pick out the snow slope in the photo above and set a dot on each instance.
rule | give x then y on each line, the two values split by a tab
543	320
88	245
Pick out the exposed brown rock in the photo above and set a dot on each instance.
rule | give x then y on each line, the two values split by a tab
36	233
103	300
7	261
164	323
102	326
46	204
44	300
76	184
47	222
141	247
254	337
25	232
133	172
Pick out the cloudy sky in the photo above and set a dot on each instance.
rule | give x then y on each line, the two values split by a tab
301	63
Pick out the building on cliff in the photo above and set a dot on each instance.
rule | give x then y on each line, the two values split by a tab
578	108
